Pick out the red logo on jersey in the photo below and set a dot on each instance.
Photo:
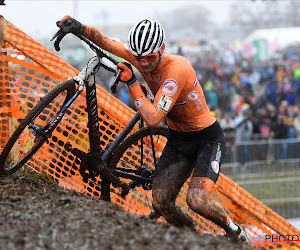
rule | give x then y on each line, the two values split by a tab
215	166
170	87
192	96
138	103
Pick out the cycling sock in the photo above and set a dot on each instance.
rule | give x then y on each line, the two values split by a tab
231	225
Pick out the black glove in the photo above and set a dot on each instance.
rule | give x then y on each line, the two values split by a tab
127	74
70	25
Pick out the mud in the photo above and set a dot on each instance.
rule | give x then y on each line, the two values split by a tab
35	213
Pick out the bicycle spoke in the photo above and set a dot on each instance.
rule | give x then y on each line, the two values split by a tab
137	153
30	135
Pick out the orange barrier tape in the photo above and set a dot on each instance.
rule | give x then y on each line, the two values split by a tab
29	70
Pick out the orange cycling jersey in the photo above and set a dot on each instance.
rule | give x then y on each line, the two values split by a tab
178	94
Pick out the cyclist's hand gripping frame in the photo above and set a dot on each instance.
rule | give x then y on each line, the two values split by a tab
60	34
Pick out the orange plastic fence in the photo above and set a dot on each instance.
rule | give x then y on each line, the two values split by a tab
28	70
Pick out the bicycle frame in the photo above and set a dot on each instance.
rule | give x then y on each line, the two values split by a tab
97	163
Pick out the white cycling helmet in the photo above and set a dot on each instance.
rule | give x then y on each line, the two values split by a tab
146	37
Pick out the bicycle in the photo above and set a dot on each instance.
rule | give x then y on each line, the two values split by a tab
120	173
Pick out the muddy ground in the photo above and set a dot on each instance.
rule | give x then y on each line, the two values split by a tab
35	213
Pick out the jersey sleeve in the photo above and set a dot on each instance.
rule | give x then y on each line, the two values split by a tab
110	45
165	98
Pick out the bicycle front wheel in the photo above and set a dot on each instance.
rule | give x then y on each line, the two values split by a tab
29	135
133	153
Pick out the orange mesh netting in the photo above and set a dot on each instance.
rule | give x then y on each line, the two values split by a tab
28	70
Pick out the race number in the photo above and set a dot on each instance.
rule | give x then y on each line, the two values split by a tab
164	103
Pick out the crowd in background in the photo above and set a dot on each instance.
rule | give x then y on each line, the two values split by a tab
254	100
257	100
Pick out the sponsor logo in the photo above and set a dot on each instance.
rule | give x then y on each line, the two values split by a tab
170	87
193	95
215	166
138	103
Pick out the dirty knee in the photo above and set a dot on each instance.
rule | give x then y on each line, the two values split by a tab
193	202
198	200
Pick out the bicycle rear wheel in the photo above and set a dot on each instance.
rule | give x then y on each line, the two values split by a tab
132	155
29	135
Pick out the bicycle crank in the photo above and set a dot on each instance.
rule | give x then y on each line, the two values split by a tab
91	166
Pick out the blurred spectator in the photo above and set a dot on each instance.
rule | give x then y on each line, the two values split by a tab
243	133
279	129
227	122
296	77
282	109
281	96
262	129
292	151
280	132
218	114
272	114
270	92
297	86
290	94
290	116
179	50
265	125
297	123
211	95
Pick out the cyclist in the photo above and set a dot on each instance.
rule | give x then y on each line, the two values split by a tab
196	141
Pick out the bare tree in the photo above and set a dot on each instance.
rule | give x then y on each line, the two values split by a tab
191	21
251	15
292	13
194	21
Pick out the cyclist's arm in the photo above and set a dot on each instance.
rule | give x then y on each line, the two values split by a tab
154	113
110	45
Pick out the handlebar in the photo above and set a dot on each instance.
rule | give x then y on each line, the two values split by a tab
97	49
60	34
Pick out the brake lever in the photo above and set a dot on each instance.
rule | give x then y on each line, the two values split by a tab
58	40
59	35
113	87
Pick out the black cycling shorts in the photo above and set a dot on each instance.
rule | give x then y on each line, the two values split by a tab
202	151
